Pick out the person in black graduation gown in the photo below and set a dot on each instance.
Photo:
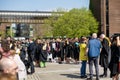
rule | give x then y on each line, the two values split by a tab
38	51
62	50
115	56
43	55
67	51
104	55
58	50
76	50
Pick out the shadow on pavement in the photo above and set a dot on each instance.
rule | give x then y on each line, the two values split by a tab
71	75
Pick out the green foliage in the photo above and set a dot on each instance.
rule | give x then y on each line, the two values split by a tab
8	32
75	23
2	33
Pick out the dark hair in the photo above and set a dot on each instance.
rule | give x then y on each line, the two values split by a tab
5	45
114	37
117	34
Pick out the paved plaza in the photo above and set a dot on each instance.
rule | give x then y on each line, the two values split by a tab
55	71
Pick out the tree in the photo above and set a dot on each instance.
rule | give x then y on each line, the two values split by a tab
75	23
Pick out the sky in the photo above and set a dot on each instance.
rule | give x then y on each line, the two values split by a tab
42	5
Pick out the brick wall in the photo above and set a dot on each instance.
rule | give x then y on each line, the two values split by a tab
114	16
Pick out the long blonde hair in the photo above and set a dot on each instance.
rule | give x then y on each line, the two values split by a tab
4	76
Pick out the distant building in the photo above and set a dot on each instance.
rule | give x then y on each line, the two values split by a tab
107	13
21	23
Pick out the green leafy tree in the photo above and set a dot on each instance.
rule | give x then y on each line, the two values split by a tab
75	23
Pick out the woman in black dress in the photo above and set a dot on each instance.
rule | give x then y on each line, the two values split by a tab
115	55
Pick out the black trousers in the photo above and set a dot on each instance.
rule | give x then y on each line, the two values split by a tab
32	67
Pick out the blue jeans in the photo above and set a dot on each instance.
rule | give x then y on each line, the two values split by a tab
83	68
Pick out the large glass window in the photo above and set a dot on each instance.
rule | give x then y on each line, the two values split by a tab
22	30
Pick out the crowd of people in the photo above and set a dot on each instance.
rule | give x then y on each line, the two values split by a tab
22	56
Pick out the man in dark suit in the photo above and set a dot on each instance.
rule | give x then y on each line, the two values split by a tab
31	53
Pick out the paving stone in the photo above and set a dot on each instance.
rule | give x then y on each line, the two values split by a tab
55	71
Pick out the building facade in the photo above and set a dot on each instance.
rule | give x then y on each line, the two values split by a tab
21	23
107	13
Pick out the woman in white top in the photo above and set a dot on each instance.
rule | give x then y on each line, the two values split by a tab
22	75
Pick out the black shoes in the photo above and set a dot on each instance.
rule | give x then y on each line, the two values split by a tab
97	79
90	78
30	72
60	62
83	76
103	76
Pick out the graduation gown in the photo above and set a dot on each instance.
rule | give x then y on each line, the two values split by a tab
105	53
